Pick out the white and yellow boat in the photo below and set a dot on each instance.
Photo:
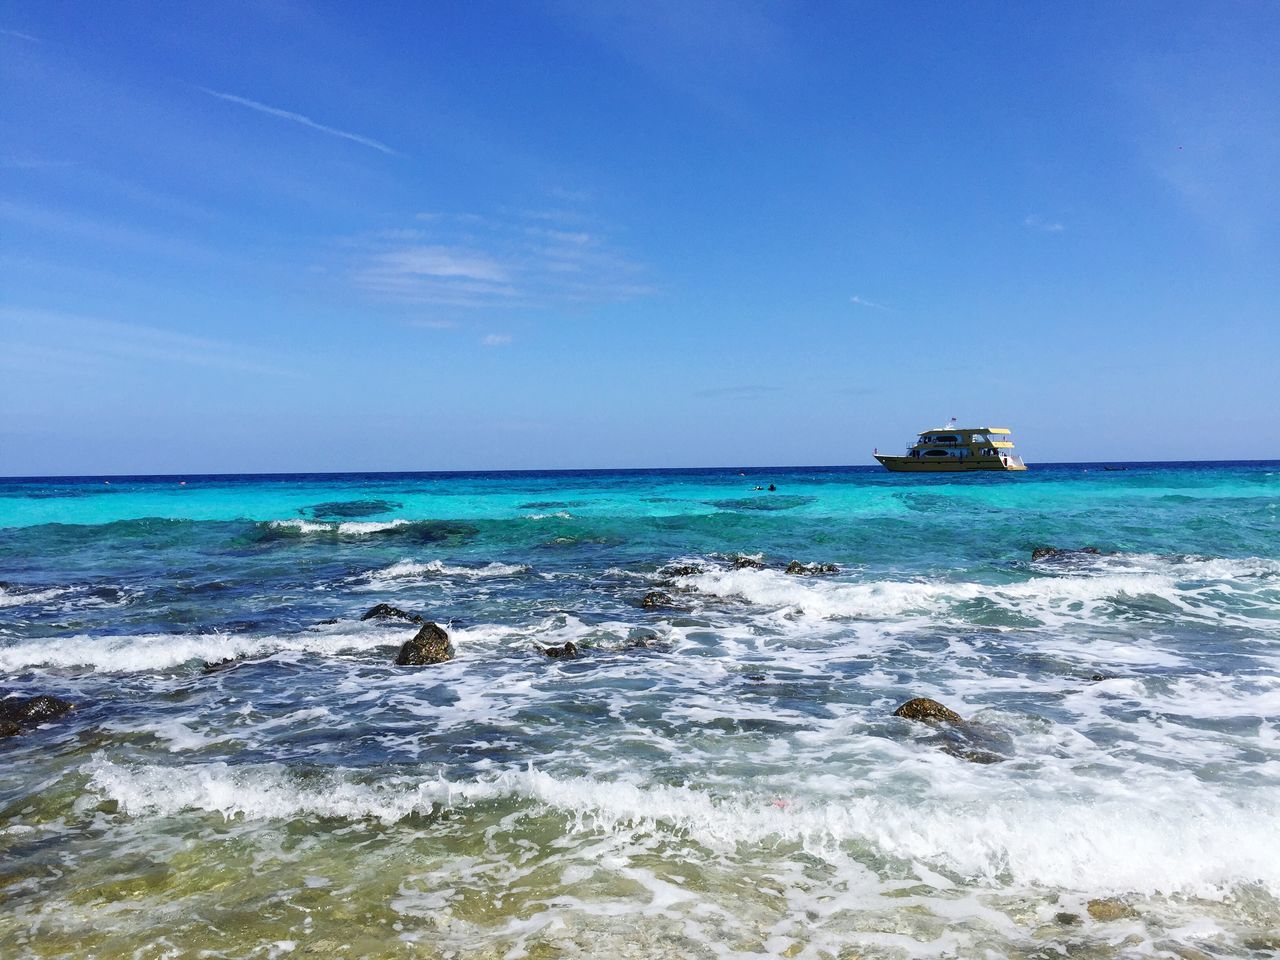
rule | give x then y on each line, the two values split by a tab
953	449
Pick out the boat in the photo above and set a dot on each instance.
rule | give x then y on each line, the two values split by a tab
954	449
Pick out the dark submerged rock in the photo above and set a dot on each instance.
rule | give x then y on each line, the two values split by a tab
384	611
1058	553
798	569
213	666
741	562
431	645
349	509
655	599
971	754
927	711
1110	909
682	570
643	639
31	711
1067	919
9	729
566	651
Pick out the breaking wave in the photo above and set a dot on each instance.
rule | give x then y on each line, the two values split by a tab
1184	841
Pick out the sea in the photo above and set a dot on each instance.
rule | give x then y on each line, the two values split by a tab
718	773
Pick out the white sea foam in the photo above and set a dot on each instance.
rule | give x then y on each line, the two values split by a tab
558	515
437	568
302	526
19	598
350	528
160	651
364	527
1162	841
1188	585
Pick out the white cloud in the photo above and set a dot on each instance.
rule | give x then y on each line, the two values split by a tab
509	259
863	302
20	35
496	340
444	262
304	121
1035	222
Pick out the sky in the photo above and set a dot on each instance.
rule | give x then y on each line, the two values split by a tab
288	236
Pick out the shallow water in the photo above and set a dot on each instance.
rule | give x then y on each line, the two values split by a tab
720	778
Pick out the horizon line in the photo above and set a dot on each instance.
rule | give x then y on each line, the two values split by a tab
528	470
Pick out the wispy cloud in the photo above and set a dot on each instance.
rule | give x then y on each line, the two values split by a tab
41	336
508	259
496	340
20	35
864	302
303	120
1035	222
743	391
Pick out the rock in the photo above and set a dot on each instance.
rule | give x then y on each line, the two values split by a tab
746	563
384	611
772	488
215	665
350	509
1110	909
928	711
30	711
656	598
1056	553
798	569
327	623
431	645
566	651
682	570
1099	677
9	729
972	754
1067	919
643	639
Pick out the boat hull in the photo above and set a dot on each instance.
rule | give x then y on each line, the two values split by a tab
915	465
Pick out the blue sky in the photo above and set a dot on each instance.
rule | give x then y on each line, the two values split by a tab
288	236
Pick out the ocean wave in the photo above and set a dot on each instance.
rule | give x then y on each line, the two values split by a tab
426	531
1195	588
346	527
301	526
15	597
409	569
162	651
1156	841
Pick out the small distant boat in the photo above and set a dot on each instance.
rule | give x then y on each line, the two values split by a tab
953	449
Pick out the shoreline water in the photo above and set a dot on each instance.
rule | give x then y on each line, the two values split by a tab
717	775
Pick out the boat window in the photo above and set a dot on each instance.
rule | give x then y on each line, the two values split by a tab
936	453
946	438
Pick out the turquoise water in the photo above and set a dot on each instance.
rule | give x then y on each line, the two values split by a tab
717	776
